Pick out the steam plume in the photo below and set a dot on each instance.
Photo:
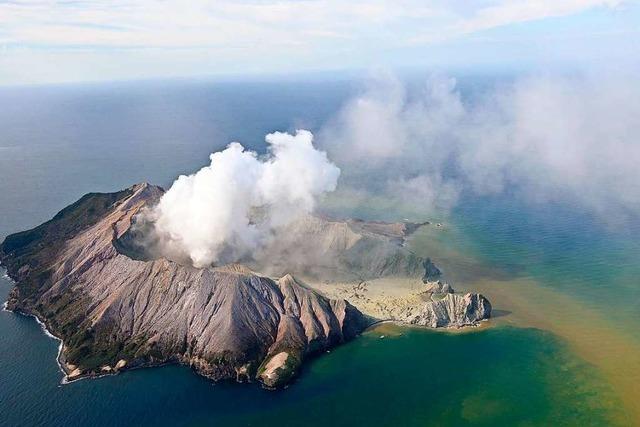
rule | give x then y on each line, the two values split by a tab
229	208
540	137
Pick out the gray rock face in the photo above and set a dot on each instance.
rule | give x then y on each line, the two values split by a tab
438	288
114	311
454	310
350	250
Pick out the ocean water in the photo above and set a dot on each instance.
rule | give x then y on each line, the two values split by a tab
563	349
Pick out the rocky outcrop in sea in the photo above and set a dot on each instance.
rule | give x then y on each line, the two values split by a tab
452	311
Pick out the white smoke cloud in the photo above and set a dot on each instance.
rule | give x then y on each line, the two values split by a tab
229	208
573	138
407	139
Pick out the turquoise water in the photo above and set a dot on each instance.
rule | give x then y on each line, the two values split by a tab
593	259
58	143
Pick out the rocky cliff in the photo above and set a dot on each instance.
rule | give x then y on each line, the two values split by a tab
452	311
114	312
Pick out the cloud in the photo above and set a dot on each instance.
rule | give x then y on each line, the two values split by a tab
391	141
176	24
51	41
572	138
230	208
502	13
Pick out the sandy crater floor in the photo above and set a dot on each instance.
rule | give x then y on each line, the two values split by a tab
383	298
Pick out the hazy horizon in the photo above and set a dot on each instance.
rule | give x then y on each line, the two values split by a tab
56	42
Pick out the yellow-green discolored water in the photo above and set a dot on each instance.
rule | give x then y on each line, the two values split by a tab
598	328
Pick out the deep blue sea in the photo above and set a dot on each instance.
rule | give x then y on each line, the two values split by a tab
563	350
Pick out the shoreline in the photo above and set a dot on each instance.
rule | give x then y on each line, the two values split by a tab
65	376
377	323
477	327
47	332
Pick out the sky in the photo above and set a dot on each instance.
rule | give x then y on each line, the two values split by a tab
75	41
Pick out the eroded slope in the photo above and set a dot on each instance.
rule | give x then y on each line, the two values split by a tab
112	311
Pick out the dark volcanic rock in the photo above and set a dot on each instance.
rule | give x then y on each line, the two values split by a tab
431	272
113	311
